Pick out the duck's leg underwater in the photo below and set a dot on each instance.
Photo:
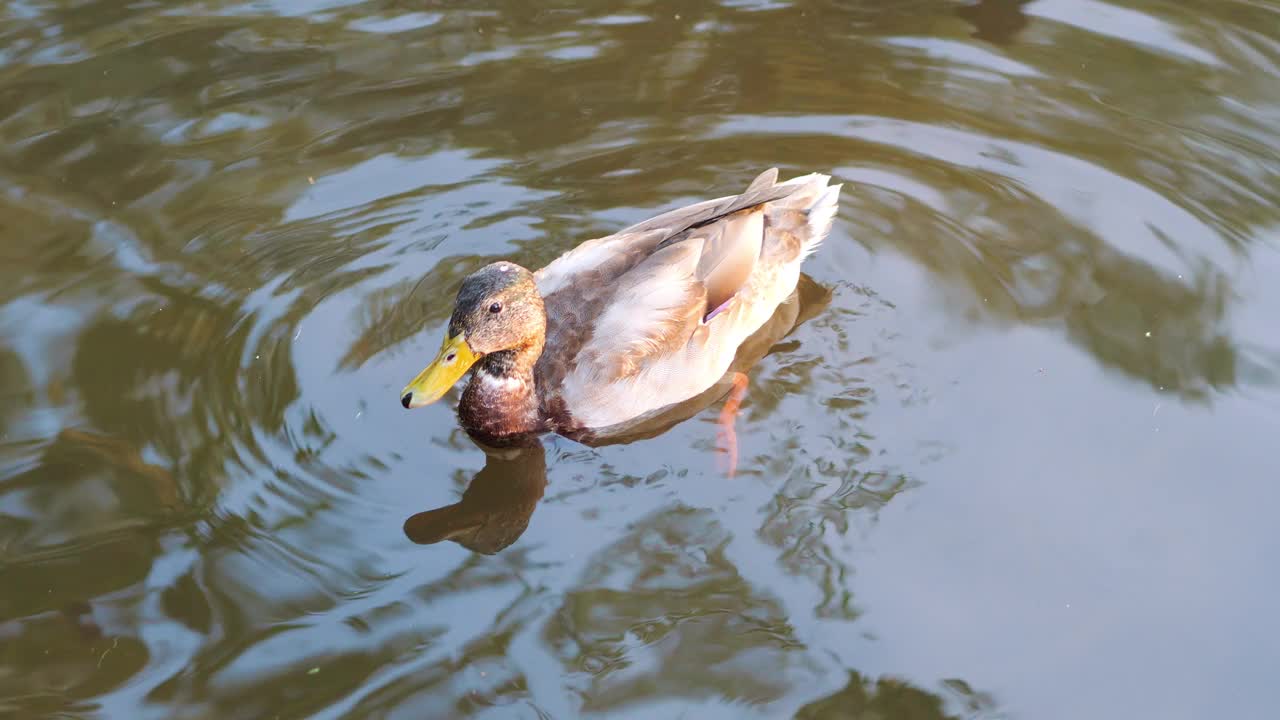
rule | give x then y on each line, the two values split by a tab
726	438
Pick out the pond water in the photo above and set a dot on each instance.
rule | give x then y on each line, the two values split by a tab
1017	460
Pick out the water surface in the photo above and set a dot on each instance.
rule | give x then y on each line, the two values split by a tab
1018	460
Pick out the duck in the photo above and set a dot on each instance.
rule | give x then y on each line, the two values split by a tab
621	327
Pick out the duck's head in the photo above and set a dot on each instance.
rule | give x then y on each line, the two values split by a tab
498	310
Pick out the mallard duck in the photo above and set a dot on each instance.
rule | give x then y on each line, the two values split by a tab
623	326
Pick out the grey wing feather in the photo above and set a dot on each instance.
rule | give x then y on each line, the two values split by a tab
761	190
730	252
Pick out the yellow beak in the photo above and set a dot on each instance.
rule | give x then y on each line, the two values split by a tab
454	360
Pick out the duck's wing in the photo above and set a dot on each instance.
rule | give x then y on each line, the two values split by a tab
666	323
606	258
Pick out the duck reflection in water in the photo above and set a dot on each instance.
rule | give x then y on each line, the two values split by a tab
495	508
497	505
996	21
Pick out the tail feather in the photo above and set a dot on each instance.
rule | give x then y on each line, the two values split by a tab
806	213
821	215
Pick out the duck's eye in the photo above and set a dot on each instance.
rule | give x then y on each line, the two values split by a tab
495	308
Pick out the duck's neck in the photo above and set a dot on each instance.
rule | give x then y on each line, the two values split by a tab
501	400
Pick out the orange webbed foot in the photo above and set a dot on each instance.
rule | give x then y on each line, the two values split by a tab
726	437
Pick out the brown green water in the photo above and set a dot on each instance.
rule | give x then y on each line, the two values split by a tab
1019	462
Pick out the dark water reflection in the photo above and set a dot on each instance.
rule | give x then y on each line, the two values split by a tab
494	509
1015	460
